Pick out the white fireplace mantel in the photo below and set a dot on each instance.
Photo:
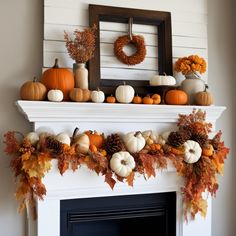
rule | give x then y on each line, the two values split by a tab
108	118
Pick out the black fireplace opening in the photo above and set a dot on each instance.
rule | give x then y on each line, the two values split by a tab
138	215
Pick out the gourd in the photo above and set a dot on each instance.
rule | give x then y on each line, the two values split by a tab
122	163
55	95
59	78
176	97
80	95
98	96
156	98
159	80
134	141
33	90
192	152
111	99
164	137
137	100
150	137
33	137
147	100
124	93
63	138
203	98
95	138
81	143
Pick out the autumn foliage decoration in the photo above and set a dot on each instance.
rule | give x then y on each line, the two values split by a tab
30	161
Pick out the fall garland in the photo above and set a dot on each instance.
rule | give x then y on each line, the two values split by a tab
137	57
139	152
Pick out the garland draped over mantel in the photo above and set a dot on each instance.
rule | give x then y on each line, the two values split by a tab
117	157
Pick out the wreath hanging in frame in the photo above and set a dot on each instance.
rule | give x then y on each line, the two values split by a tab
137	41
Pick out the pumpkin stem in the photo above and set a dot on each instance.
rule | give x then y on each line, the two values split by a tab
35	79
165	74
76	130
56	64
206	87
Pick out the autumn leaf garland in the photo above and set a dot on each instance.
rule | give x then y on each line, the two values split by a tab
30	162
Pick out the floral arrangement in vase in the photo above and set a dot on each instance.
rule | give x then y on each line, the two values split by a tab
81	49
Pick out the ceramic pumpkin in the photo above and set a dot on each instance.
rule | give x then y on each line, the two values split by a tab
203	98
55	95
98	96
192	151
160	80
134	141
59	78
33	137
124	93
122	163
63	138
95	138
33	90
80	95
176	97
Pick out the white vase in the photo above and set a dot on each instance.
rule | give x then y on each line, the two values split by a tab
191	85
81	75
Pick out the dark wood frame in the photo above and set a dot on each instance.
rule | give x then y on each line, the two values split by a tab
160	19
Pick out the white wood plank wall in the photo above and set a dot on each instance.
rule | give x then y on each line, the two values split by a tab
189	33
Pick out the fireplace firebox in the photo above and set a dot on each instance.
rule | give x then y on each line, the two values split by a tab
142	214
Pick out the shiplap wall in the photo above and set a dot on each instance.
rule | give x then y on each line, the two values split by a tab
189	33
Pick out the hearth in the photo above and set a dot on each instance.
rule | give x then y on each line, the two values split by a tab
142	214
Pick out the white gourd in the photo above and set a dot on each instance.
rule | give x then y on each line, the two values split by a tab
122	163
159	80
124	93
134	141
192	152
55	95
82	143
63	138
33	137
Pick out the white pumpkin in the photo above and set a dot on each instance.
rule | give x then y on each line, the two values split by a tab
63	138
82	143
122	163
55	95
134	141
158	80
192	152
33	137
124	93
98	96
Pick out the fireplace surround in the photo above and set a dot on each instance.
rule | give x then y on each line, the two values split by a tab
84	184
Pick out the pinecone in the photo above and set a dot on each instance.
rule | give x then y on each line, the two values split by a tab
200	138
53	144
114	144
176	139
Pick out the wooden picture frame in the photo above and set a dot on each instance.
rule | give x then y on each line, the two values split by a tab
162	20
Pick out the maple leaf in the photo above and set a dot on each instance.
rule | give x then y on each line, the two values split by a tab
16	166
100	160
147	162
109	179
11	142
130	179
89	162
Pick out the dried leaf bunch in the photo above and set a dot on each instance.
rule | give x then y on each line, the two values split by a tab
191	64
81	48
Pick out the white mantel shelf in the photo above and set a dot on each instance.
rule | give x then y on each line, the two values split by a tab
43	111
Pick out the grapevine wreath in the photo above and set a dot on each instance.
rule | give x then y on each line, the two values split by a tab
196	157
138	42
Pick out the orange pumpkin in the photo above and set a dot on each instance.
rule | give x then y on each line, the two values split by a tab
58	78
147	100
111	99
95	138
137	99
80	95
32	90
156	98
93	148
176	97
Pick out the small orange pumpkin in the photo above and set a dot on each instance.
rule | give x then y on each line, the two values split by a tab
95	138
32	90
93	148
208	150
176	97
137	99
147	100
111	99
156	98
80	95
58	78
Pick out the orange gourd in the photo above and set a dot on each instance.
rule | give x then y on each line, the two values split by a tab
58	78
147	100
80	95
156	98
111	99
155	146
95	138
137	100
176	97
32	90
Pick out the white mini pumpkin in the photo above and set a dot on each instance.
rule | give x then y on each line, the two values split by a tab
33	137
98	96
122	163
192	152
159	80
134	141
124	93
55	95
82	143
63	138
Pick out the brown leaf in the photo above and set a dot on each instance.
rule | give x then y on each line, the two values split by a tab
109	179
147	161
12	145
130	179
100	160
